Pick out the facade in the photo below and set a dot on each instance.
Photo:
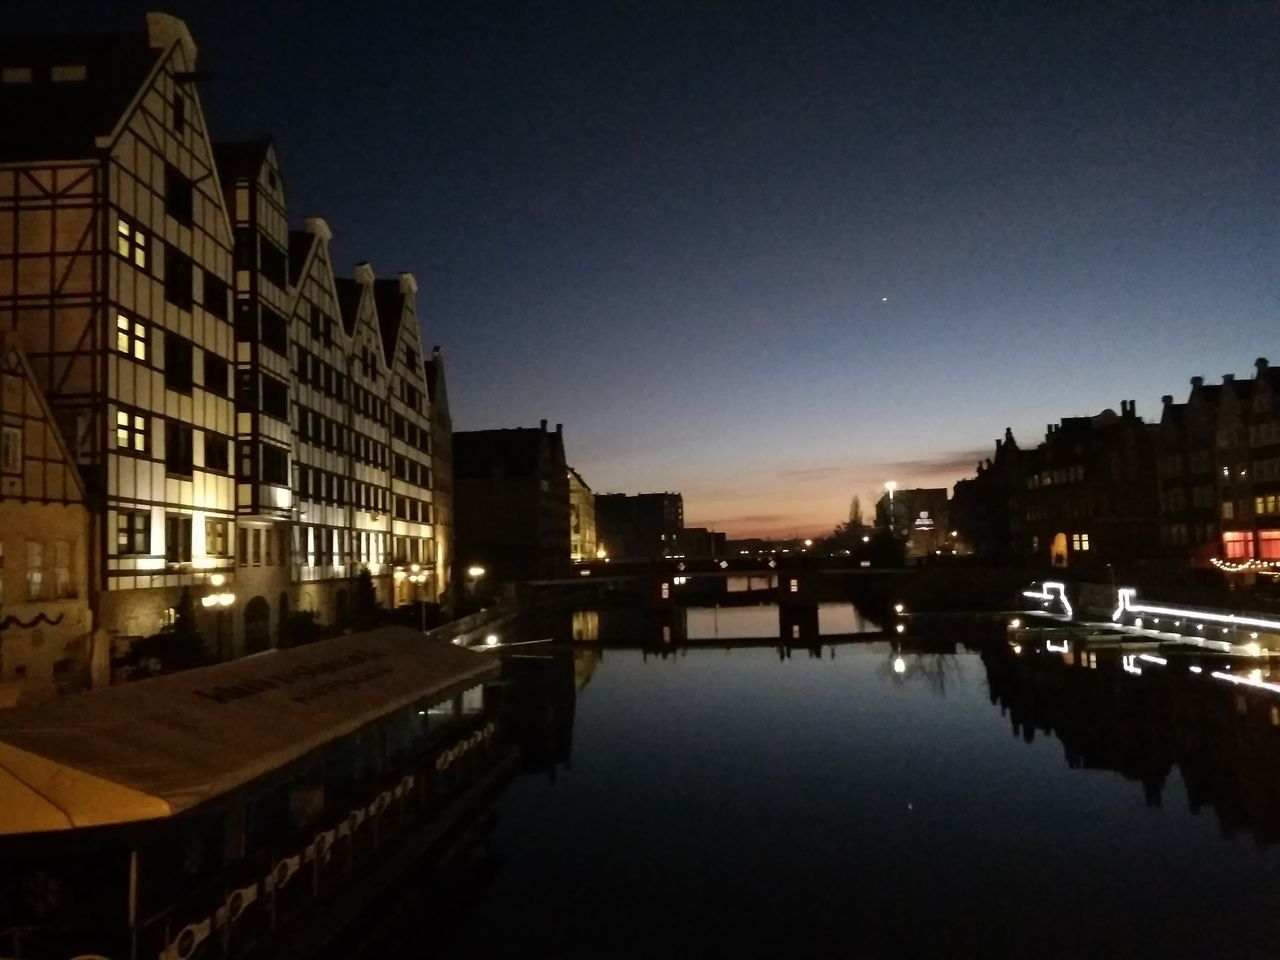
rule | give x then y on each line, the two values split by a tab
46	630
246	425
986	508
511	503
920	517
642	526
441	470
583	542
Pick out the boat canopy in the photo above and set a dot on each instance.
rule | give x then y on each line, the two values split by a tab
157	747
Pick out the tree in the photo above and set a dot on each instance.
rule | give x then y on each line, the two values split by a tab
176	646
855	512
366	611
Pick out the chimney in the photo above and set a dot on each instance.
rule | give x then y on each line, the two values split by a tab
1167	399
408	283
1260	364
543	425
1197	382
1228	378
559	428
998	443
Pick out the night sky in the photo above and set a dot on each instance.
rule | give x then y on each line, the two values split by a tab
773	254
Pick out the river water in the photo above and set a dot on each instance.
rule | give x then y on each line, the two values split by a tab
912	797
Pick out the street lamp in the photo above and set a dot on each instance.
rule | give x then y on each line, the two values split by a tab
891	485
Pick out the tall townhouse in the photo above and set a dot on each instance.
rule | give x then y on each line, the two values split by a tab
115	277
254	193
413	551
343	468
1264	460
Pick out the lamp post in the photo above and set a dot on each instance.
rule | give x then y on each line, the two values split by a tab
891	485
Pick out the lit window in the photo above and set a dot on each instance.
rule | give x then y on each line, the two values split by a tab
1269	544
1237	544
35	570
131	243
1079	541
1228	510
16	75
11	450
62	569
131	431
217	543
71	73
131	337
133	532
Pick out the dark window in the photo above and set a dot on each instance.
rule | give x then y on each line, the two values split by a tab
177	449
275	465
217	452
178	363
275	398
133	532
245	253
246	323
177	278
217	297
244	449
179	195
274	263
179	114
177	538
275	332
217	375
246	391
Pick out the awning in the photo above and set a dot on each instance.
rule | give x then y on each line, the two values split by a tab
158	747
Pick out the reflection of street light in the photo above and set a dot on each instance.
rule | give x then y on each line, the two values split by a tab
474	573
899	665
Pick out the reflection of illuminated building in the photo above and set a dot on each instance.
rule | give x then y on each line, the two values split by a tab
583	542
1223	739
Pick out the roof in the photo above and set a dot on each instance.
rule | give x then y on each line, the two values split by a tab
390	300
158	747
515	452
236	160
300	244
349	293
44	120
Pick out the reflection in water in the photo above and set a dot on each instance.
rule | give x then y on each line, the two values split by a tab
738	584
1222	740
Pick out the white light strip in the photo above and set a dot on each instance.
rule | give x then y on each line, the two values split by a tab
1153	659
1246	681
1127	662
1061	589
1196	669
1126	595
1052	647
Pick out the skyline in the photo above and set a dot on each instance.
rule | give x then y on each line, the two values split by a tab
673	228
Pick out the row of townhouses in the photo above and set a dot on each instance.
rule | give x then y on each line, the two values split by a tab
1199	489
193	399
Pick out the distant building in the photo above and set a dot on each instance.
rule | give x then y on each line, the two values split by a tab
700	543
643	526
511	502
583	541
46	630
920	517
982	507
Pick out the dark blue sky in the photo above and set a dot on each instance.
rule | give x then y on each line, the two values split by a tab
673	226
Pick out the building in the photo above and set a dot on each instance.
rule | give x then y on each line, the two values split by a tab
511	503
643	526
700	543
920	517
984	506
46	629
441	470
583	543
247	425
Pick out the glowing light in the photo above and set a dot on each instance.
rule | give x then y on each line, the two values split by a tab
1017	648
1138	623
475	571
1128	594
1196	670
891	485
899	665
724	564
1015	623
1064	647
1150	658
897	608
1249	681
217	580
491	640
1253	650
1255	674
866	539
900	628
1129	663
808	543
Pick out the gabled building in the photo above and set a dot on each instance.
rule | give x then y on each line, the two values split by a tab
46	629
441	470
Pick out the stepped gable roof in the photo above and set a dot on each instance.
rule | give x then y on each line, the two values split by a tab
514	452
48	120
349	293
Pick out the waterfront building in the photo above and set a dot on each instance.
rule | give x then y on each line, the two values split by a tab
583	543
511	502
920	518
985	508
46	630
701	543
642	526
248	428
441	471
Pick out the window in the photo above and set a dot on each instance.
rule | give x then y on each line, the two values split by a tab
177	538
131	337
1079	541
179	195
275	465
179	113
1228	510
217	543
178	363
275	332
131	243
1269	544
273	262
1237	544
178	274
217	297
62	569
35	570
217	452
275	398
69	73
11	450
16	75
133	532
217	374
131	432
177	449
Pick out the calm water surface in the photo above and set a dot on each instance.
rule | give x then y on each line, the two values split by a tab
745	803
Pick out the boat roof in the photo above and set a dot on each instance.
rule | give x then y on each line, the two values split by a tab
157	747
